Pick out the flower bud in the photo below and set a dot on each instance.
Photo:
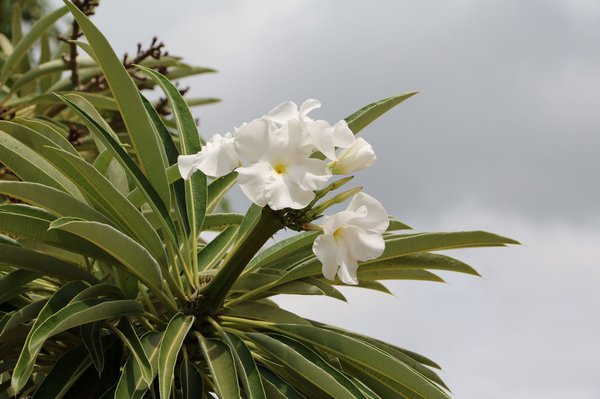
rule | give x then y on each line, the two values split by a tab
358	156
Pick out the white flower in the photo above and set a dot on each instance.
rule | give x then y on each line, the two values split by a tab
217	158
281	174
358	156
324	137
350	236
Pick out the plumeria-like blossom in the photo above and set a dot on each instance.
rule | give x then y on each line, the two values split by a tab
358	156
281	173
217	158
322	135
353	235
272	155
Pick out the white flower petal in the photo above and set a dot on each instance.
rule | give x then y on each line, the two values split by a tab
217	158
358	156
325	249
348	270
310	175
285	193
187	164
366	245
321	135
307	106
375	220
254	180
283	112
342	135
252	139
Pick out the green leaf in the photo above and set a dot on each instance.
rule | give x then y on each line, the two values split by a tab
172	154
222	367
82	312
30	166
283	249
246	367
67	369
36	228
51	199
21	49
132	385
142	183
308	364
111	201
44	264
397	225
14	283
132	341
139	126
217	190
216	221
213	252
23	315
364	116
48	130
47	68
195	187
382	366
58	301
409	244
265	312
277	387
134	257
387	268
173	338
90	335
192	385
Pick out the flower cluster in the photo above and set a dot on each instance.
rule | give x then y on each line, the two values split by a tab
274	158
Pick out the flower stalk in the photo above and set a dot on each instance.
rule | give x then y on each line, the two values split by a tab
212	296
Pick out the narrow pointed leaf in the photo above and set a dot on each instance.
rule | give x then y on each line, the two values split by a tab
222	367
26	360
170	346
90	334
246	367
195	187
133	342
380	363
64	374
134	257
364	116
82	312
125	92
132	384
21	49
41	263
191	380
106	196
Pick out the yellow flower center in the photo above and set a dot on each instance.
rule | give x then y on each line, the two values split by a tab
337	234
279	168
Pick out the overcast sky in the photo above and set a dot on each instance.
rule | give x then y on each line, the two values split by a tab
504	137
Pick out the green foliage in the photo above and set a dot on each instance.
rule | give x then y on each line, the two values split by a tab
107	288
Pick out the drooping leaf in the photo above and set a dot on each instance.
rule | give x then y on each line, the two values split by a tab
132	384
192	384
134	257
64	374
222	367
92	340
